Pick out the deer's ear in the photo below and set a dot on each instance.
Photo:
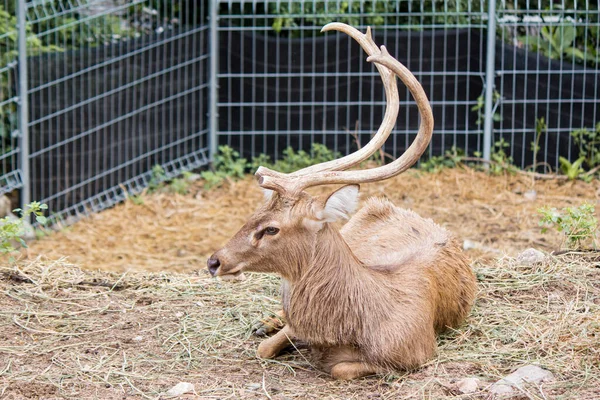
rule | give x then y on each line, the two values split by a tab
341	203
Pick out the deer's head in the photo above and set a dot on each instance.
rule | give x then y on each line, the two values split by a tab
282	232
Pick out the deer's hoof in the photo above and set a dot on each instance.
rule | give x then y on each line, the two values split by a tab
266	350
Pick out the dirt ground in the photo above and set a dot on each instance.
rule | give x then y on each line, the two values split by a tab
131	311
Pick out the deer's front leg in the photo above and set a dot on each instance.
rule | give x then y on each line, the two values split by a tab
271	347
271	324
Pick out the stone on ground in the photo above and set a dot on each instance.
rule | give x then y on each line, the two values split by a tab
527	374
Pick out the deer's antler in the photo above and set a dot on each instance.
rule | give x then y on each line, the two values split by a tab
333	172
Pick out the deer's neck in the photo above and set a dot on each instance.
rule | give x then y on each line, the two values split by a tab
328	302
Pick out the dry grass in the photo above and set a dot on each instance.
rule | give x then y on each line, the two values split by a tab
70	333
176	233
153	317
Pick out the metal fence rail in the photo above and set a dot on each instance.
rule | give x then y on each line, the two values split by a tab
95	93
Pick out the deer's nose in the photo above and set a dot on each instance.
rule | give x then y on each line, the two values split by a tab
213	264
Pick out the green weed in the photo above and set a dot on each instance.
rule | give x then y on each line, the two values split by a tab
577	224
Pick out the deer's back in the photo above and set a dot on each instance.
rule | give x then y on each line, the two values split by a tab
381	234
410	250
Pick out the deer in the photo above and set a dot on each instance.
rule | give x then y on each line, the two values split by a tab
369	297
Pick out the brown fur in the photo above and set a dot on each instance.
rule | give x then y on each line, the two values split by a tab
367	298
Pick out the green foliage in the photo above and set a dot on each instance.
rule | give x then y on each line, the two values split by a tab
575	34
540	128
318	13
293	161
578	224
72	33
227	165
160	182
157	178
502	162
137	200
563	41
292	18
451	159
13	229
588	142
8	55
572	170
181	185
479	108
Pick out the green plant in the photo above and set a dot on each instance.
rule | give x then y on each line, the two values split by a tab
157	178
540	128
572	170
479	108
292	18
181	185
260	160
137	200
578	224
588	142
12	229
227	165
293	161
451	159
562	41
501	161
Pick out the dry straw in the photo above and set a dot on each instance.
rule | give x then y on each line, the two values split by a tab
80	334
83	333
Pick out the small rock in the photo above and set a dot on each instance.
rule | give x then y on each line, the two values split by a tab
530	257
530	195
468	385
181	253
469	245
526	374
179	314
180	388
138	338
254	386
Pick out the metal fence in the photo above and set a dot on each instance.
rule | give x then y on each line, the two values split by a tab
282	83
107	90
95	93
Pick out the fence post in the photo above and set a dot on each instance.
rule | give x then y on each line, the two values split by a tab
23	103
490	71
213	93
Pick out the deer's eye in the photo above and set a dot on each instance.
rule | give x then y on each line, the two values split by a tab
271	230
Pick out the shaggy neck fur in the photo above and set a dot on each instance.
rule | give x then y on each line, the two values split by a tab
332	275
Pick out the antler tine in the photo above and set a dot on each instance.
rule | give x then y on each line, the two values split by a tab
295	184
365	40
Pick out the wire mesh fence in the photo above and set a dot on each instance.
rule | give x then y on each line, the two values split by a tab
547	81
10	177
282	83
114	88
